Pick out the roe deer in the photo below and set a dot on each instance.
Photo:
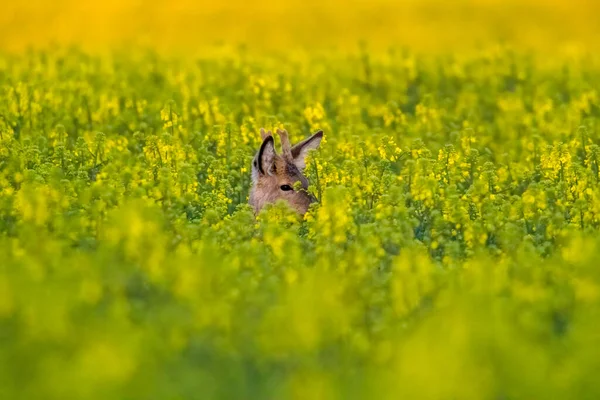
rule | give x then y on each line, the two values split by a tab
275	176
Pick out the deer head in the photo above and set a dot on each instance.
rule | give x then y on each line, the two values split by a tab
280	176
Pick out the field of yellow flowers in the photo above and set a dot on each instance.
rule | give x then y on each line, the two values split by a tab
453	252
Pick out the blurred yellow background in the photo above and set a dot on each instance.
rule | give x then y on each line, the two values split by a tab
190	26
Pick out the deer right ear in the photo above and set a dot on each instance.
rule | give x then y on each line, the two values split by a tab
300	150
266	156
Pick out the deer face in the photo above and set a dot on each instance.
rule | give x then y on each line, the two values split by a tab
279	176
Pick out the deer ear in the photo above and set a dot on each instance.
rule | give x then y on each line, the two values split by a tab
300	150
264	134
266	156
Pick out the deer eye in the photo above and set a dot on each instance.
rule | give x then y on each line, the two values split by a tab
285	188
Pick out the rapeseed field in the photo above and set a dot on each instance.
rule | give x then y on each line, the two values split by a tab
453	251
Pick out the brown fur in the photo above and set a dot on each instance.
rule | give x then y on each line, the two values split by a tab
272	171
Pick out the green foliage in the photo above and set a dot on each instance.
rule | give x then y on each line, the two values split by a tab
452	253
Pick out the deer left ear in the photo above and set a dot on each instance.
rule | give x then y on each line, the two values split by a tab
264	134
266	156
300	150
